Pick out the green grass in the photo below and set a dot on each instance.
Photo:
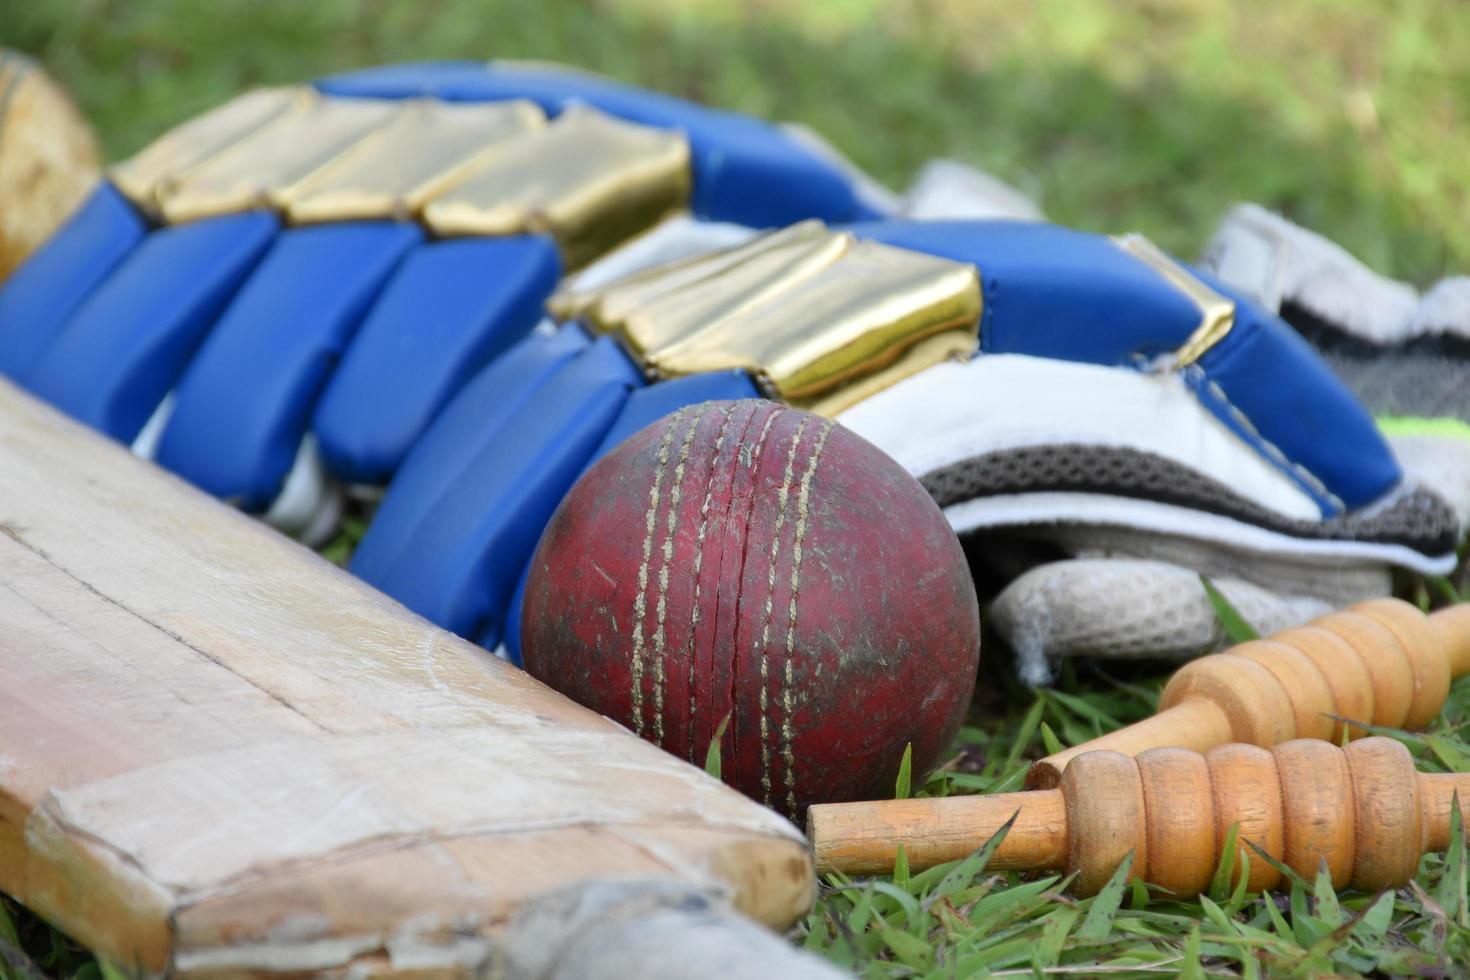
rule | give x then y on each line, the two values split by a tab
1351	116
956	920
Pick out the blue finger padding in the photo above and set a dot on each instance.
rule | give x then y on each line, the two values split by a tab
512	637
472	420
245	401
745	170
1266	383
643	408
464	558
448	309
646	406
126	346
43	292
1053	292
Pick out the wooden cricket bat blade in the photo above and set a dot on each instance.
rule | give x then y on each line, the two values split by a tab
221	754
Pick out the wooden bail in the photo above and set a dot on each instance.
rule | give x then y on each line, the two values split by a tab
1381	662
1362	811
1453	625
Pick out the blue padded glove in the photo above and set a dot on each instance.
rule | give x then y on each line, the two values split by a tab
1036	380
1123	591
1406	356
336	261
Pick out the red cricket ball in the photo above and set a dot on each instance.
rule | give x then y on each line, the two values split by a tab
756	562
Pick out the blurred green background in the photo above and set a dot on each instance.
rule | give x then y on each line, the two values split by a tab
1350	116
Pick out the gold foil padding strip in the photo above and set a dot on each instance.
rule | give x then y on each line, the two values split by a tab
182	149
691	299
587	179
607	308
821	318
264	168
1217	313
428	148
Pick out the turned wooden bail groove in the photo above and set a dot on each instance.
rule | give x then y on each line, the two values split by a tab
1363	810
1381	662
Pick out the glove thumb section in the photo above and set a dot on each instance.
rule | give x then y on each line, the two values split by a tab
1126	608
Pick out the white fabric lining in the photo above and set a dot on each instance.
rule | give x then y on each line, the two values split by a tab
994	402
1271	450
1126	512
145	446
309	504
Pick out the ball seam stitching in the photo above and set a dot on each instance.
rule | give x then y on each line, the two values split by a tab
783	500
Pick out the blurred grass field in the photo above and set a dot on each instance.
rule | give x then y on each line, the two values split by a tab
1351	116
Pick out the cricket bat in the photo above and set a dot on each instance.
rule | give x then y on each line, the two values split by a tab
220	754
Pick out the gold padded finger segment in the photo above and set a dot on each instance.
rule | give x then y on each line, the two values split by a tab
588	179
265	167
666	305
853	316
179	151
428	148
822	319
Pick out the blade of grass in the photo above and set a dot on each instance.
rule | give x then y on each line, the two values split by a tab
1235	625
1105	904
902	785
712	757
